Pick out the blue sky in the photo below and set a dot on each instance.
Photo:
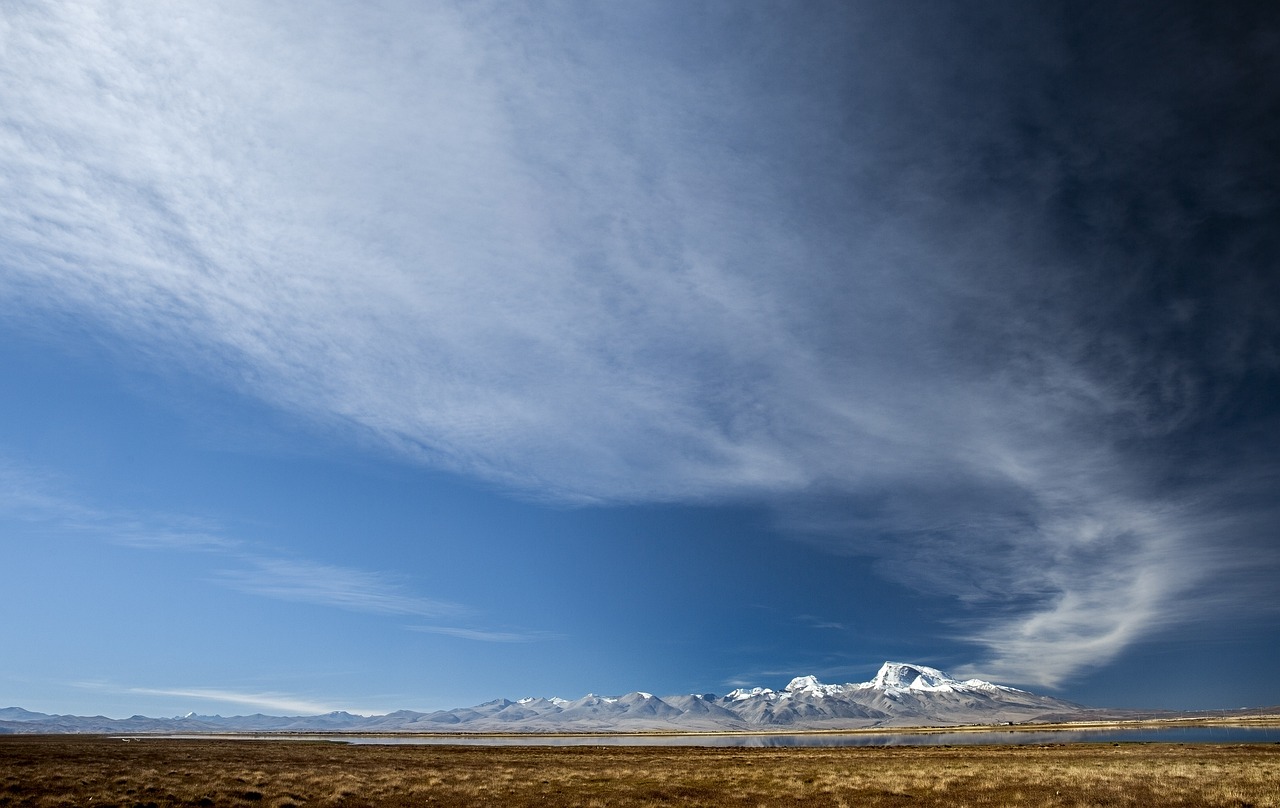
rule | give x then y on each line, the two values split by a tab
412	355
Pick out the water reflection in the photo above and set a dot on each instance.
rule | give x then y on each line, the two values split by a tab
981	738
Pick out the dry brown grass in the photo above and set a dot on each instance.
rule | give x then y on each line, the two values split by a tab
75	770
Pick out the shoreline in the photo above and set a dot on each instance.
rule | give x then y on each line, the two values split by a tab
1256	721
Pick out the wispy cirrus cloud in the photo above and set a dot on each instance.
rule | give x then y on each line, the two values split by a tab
36	496
483	635
237	564
305	581
810	621
595	279
276	702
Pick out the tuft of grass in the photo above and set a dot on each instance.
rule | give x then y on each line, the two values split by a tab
61	770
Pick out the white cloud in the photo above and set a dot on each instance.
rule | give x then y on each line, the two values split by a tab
412	280
329	585
1114	579
30	496
482	635
33	495
276	702
478	249
280	702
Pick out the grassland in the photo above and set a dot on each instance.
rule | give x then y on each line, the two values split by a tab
94	770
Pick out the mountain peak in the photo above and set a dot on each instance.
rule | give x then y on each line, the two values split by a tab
904	676
804	684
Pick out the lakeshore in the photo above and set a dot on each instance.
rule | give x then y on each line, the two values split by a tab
1256	719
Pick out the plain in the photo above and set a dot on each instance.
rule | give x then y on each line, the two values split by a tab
101	770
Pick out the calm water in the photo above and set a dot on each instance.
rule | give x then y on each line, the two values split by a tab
1162	735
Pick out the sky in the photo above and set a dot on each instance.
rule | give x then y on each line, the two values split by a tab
405	355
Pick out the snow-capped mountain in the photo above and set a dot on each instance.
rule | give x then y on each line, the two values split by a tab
900	694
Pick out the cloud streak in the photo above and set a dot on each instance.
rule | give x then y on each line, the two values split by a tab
283	703
598	280
328	585
33	498
482	635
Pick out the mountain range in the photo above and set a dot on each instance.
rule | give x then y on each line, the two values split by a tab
900	695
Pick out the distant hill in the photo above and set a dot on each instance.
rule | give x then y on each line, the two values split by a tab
900	695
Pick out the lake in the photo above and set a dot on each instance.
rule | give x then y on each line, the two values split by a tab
976	738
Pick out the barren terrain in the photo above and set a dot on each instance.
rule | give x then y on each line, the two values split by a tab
97	770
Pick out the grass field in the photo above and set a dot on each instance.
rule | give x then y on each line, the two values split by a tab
92	770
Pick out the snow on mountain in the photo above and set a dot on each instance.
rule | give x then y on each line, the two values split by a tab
802	684
901	676
900	694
